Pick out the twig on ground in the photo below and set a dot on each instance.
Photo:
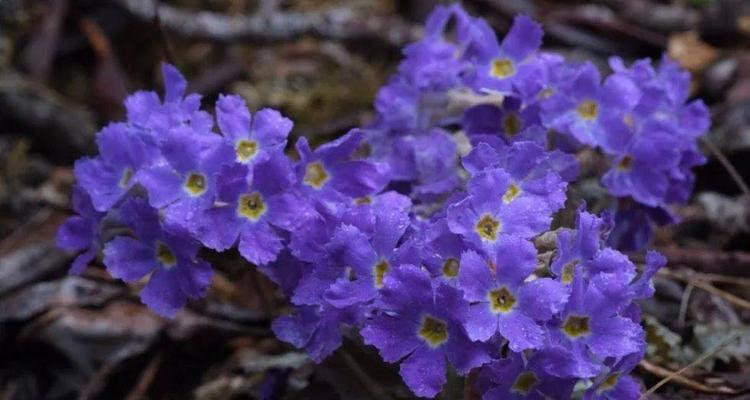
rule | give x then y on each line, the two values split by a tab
681	380
728	166
339	23
691	280
707	260
146	378
677	375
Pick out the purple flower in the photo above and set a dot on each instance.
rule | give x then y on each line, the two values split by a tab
441	252
122	153
421	326
252	137
250	211
317	329
590	112
615	383
512	378
511	122
186	183
533	172
577	247
494	209
80	233
643	169
166	252
330	174
589	329
509	66
500	299
145	110
634	224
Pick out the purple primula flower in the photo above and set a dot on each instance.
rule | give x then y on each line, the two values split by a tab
330	174
509	66
615	383
253	137
364	211
317	329
186	183
634	224
80	233
533	172
436	162
511	122
500	299
421	325
122	153
441	252
493	209
250	211
576	248
643	169
591	112
165	251
144	109
642	287
513	378
589	330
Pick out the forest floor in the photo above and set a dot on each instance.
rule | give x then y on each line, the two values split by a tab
66	66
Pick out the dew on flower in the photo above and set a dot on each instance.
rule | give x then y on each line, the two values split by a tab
433	331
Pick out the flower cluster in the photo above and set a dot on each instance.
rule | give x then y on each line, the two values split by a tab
416	230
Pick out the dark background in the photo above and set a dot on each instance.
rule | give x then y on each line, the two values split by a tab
66	66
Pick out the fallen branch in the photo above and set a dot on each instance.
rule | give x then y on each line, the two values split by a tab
339	23
677	375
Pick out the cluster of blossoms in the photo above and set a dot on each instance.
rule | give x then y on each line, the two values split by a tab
418	230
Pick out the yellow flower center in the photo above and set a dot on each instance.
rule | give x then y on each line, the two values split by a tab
608	383
196	184
502	68
127	175
450	268
501	300
512	124
361	201
433	331
251	206
378	271
547	93
576	326
511	193
625	163
487	228
568	271
165	255
524	383
588	110
315	174
246	149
